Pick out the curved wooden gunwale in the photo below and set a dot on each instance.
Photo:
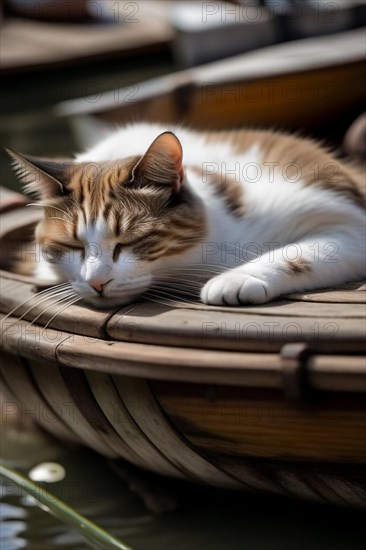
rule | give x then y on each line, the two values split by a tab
264	370
336	326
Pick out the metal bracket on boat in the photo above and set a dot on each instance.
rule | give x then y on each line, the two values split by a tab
294	359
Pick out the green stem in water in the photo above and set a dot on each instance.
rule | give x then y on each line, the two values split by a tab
92	532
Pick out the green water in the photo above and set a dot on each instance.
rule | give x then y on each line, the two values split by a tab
204	519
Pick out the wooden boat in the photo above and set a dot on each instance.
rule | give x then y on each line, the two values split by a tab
301	84
267	398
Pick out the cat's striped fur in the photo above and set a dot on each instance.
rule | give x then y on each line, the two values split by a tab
257	209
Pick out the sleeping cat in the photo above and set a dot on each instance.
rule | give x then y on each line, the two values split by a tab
257	213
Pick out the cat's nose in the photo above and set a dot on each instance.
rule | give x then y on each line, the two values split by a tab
98	284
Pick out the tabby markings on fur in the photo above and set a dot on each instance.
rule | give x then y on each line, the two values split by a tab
254	214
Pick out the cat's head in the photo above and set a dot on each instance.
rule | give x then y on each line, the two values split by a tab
109	227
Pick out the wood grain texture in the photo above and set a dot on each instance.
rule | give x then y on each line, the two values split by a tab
350	293
230	368
247	423
147	455
32	342
163	362
213	104
17	374
55	390
322	483
139	400
337	373
324	326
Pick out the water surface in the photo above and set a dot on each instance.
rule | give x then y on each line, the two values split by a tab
204	519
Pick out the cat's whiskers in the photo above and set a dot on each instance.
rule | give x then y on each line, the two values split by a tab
71	294
202	270
70	303
40	294
157	293
177	293
45	298
57	298
197	265
153	297
179	276
176	283
173	283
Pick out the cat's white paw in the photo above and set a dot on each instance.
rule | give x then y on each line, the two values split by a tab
233	289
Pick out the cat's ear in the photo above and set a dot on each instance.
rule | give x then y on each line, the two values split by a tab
162	163
42	177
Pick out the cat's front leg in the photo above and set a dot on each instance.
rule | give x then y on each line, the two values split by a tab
320	262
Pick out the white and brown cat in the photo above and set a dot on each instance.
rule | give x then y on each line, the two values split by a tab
258	213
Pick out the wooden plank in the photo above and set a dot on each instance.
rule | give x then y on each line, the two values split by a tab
285	308
251	329
163	362
54	389
32	404
18	338
349	491
175	363
83	398
136	359
204	366
337	373
235	328
351	293
247	423
314	481
143	407
139	450
335	297
36	44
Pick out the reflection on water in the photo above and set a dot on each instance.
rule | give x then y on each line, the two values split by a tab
11	526
203	520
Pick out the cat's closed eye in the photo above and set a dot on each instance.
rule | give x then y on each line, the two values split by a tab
117	251
53	251
119	247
